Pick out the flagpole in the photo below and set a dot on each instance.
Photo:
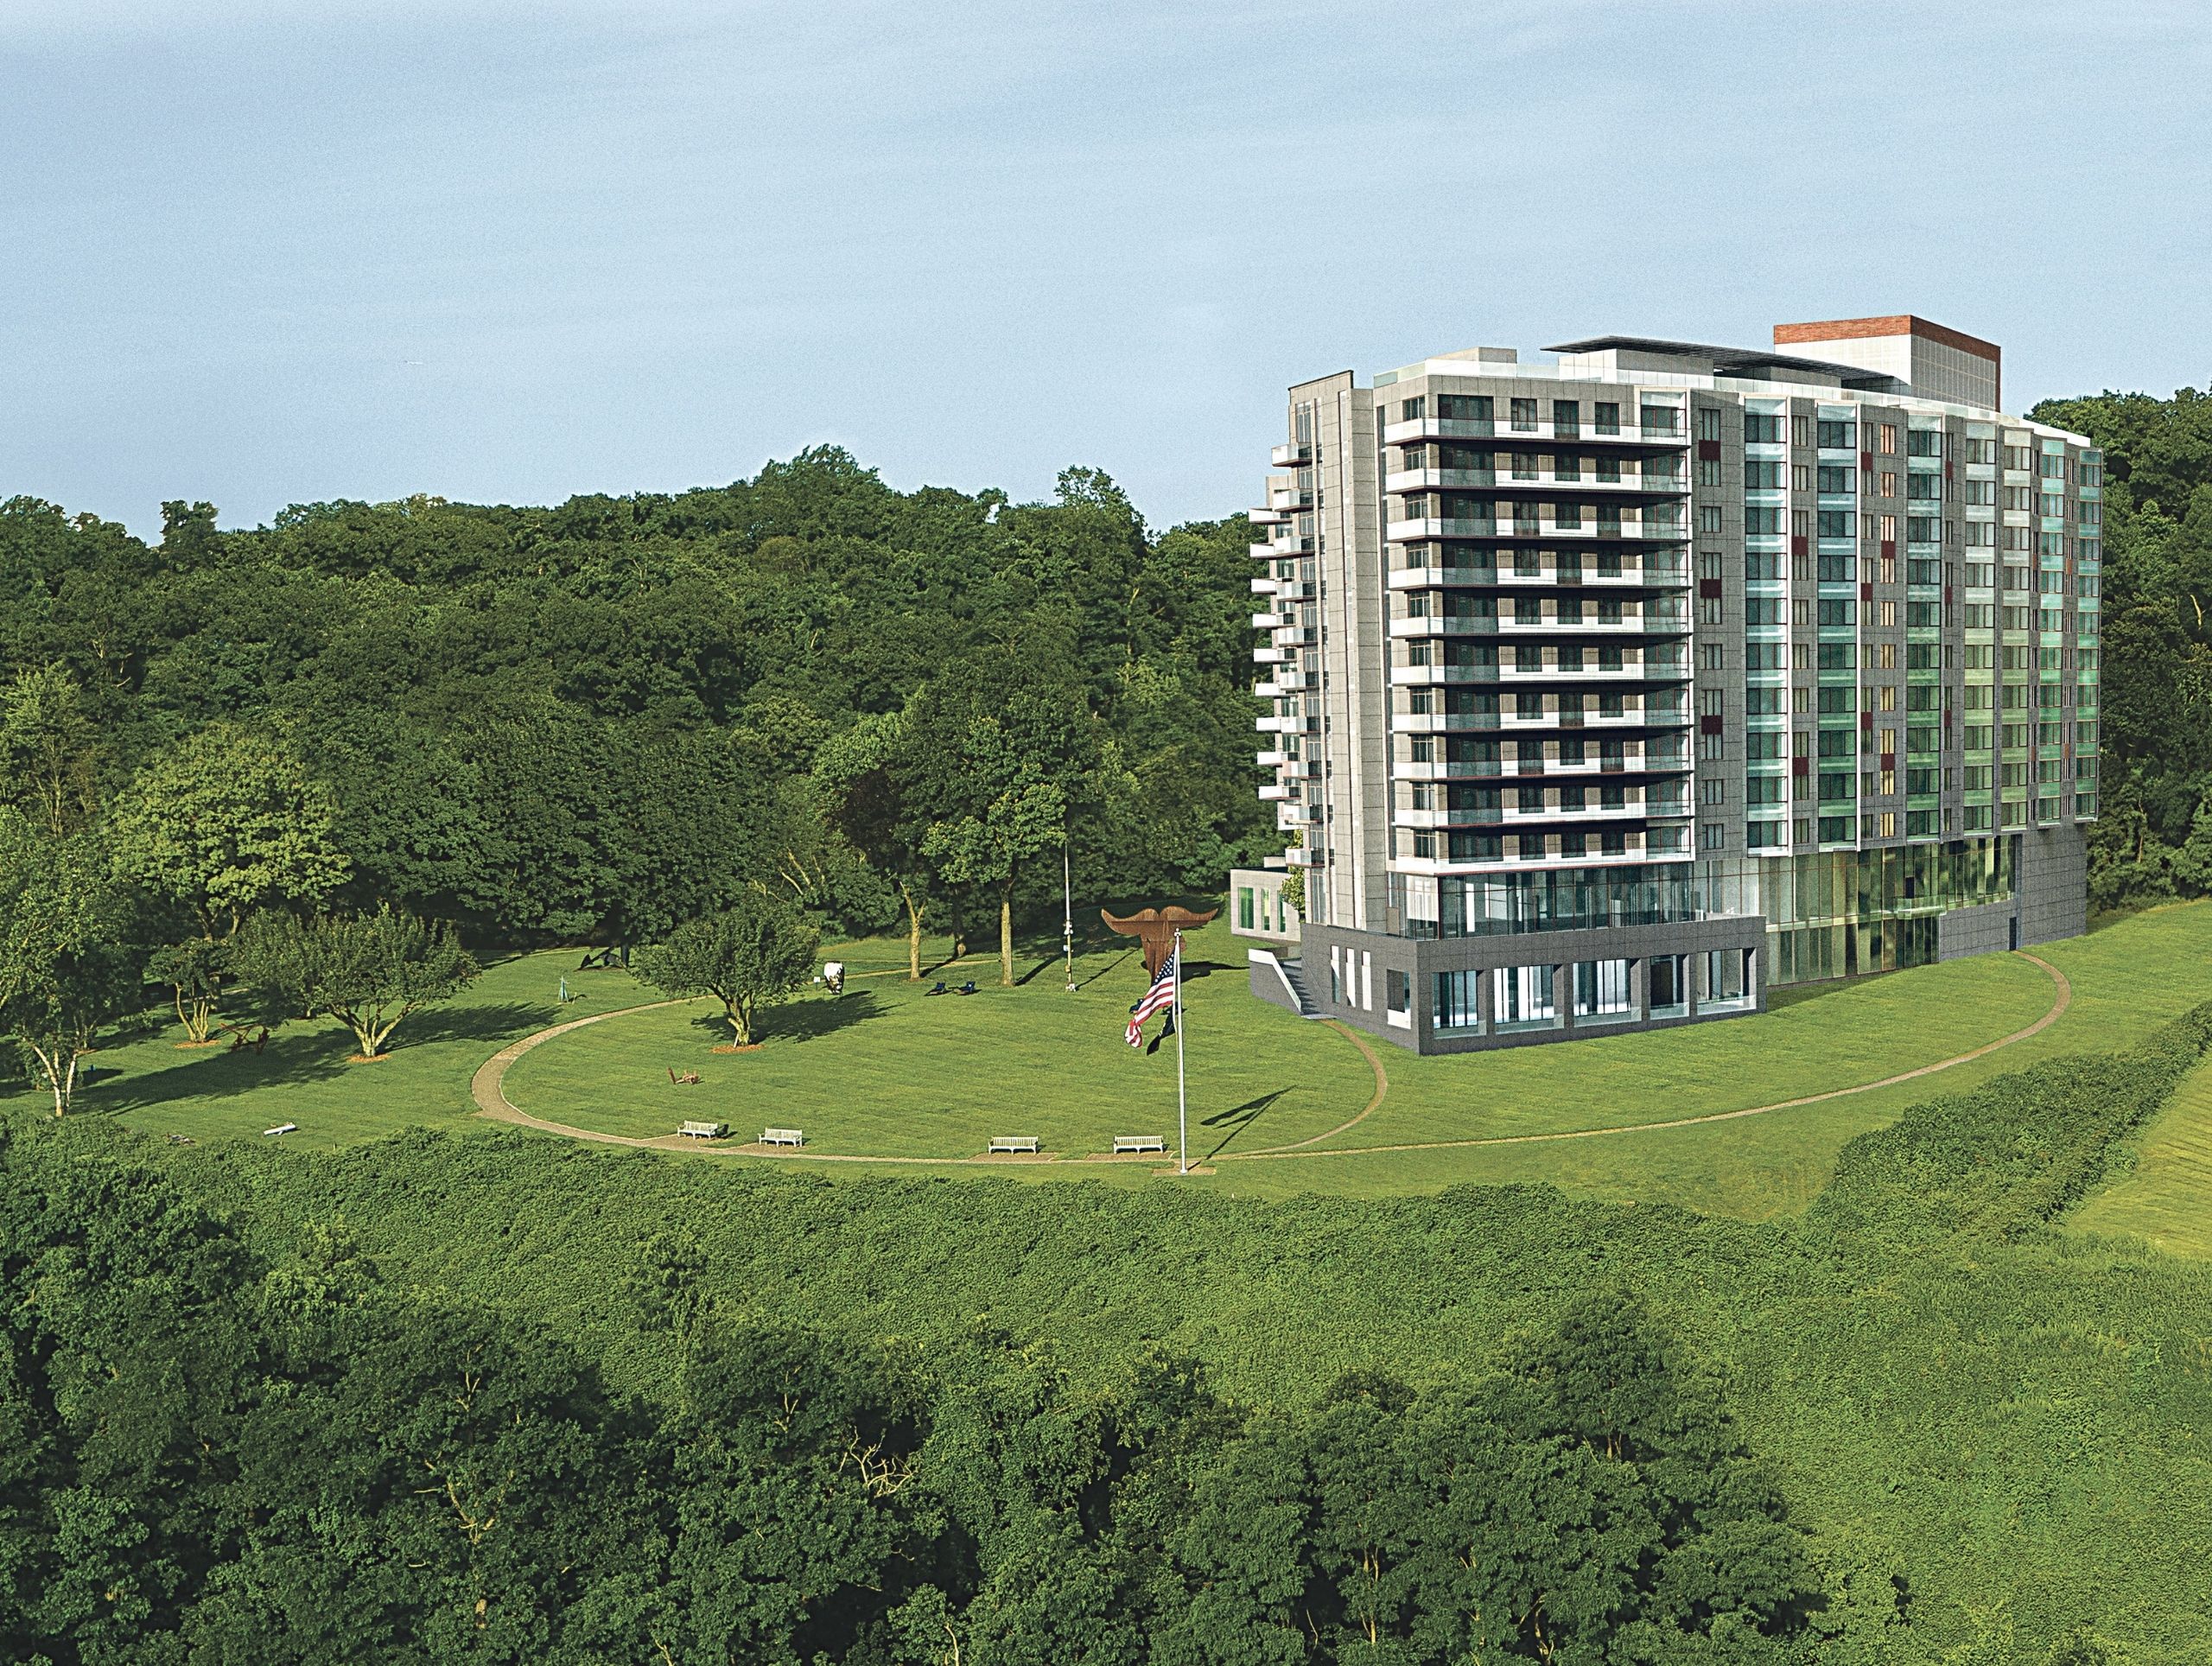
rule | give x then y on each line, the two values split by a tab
1067	915
1182	1112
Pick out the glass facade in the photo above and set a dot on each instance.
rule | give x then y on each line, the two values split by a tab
1841	913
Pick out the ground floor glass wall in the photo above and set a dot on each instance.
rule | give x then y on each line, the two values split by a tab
1837	914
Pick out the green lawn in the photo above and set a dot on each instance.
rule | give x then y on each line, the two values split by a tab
889	1073
302	1075
888	1070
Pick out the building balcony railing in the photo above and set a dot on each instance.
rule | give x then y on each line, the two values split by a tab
1267	654
1546	483
1634	711
1633	622
1270	620
1274	792
1636	849
1633	668
1430	527
1289	499
1294	455
1279	548
1666	572
1631	434
1265	517
1634	758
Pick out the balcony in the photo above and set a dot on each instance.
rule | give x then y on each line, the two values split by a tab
1273	724
1296	456
1271	759
1274	792
1264	586
1593	531
1634	574
1265	517
1632	436
1284	499
1267	654
1271	622
1543	484
1278	549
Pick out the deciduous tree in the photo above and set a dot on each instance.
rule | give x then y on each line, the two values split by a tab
369	972
66	964
752	955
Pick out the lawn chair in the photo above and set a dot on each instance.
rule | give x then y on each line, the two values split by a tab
689	1080
936	988
968	988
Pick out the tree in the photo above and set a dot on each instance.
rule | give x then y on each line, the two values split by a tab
229	822
369	972
750	955
1027	819
860	772
65	965
50	745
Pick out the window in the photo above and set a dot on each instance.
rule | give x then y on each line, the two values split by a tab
1835	523
1886	440
1464	407
1397	992
1924	442
1708	423
1602	989
1566	418
1838	435
1521	996
1763	476
1606	416
1834	477
1662	419
1762	428
1411	410
1455	1005
1524	415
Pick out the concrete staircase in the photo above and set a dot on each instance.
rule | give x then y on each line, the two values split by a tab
1291	979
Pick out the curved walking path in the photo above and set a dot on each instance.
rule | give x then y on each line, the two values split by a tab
486	1088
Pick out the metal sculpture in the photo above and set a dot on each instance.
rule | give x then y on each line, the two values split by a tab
1155	928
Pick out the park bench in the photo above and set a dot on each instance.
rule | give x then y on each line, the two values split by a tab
1008	1144
280	1128
790	1136
704	1130
1129	1145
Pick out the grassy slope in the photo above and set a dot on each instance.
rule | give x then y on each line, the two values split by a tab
1038	1059
2166	1197
2016	1424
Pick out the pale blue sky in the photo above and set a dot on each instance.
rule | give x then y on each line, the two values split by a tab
261	252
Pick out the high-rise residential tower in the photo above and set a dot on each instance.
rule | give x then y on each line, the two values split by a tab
1607	692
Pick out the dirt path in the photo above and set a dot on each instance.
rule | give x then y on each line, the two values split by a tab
486	1088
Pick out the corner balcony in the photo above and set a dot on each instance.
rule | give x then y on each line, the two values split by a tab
1635	574
1267	654
1284	499
1275	791
1294	455
1278	549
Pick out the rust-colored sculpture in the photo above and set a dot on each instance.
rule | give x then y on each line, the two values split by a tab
1155	928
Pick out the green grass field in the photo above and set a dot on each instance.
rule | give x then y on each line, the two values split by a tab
888	1072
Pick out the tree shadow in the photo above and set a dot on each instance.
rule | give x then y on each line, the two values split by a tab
797	1020
288	1061
1237	1118
507	1022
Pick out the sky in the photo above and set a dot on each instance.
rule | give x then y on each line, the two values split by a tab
259	252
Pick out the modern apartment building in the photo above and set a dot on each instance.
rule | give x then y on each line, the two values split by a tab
1607	692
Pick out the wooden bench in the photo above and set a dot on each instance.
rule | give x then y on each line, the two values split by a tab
280	1128
1008	1144
704	1130
790	1136
1129	1145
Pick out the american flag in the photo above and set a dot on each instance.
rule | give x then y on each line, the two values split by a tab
1158	997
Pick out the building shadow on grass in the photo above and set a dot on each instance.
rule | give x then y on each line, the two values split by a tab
1238	1118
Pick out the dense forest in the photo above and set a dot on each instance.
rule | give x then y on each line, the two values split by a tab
2153	839
214	1457
586	722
